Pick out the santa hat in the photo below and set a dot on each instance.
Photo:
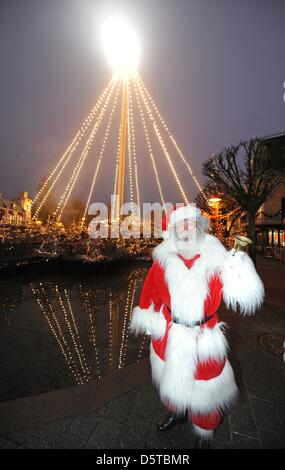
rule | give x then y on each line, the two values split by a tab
177	213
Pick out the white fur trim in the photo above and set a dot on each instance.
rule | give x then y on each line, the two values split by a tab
180	365
212	343
242	285
176	381
206	434
188	288
218	393
148	321
165	234
157	367
184	212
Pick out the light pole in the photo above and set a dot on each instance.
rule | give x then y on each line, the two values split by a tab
122	49
123	147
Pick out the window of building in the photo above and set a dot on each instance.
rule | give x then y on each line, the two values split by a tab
282	238
275	237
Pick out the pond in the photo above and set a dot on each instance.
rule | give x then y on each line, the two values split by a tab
68	326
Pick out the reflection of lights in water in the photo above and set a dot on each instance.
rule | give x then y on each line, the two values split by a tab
56	306
78	346
46	307
110	330
91	321
135	276
127	317
141	348
9	304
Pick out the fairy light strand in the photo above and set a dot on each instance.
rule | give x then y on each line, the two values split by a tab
101	152
69	188
133	145
150	152
69	152
162	144
129	148
117	170
171	136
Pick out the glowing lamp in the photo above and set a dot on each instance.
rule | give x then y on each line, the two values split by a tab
121	47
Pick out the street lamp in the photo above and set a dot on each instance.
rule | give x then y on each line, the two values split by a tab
214	202
121	46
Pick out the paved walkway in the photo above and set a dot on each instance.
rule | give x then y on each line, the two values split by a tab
121	411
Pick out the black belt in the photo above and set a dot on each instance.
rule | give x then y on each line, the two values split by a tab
197	323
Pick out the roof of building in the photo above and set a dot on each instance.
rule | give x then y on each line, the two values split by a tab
276	148
10	204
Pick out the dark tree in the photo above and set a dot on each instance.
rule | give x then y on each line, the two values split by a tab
74	211
49	205
249	174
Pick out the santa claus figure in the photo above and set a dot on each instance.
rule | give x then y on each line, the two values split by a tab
191	274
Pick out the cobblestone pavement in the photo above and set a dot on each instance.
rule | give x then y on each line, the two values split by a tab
257	420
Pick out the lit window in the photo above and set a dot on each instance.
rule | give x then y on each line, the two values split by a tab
270	237
282	238
275	237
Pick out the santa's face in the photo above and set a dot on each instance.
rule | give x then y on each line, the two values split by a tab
185	230
187	237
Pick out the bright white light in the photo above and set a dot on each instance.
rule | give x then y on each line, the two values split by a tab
121	46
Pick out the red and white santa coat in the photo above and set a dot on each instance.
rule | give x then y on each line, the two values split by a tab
189	363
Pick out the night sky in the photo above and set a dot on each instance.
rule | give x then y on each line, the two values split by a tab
215	67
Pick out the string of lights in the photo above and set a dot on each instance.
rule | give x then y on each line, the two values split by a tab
130	156
116	171
133	146
69	152
75	174
161	141
150	99
150	152
137	96
102	151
